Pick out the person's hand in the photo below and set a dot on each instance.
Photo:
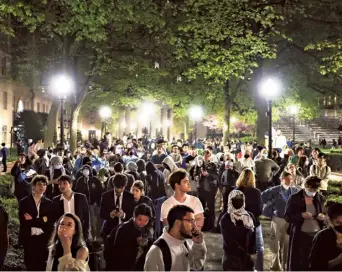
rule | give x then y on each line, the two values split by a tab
141	241
197	236
27	216
307	215
114	213
321	217
120	214
65	239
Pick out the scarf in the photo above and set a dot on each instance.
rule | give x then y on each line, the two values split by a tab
239	214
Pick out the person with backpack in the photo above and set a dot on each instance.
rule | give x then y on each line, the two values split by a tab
41	165
173	251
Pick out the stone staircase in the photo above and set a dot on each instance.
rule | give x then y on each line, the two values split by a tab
285	124
315	129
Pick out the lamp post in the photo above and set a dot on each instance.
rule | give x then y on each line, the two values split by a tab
62	85
270	89
105	113
293	110
196	115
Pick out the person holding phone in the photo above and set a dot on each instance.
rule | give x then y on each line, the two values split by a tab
23	172
304	213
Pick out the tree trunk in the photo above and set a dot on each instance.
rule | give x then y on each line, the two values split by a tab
186	128
52	124
260	104
227	111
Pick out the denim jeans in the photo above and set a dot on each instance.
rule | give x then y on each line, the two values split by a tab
95	221
259	263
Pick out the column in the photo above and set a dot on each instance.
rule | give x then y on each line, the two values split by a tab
153	120
170	128
121	121
128	120
164	122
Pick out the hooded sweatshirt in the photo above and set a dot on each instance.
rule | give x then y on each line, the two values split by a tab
170	167
132	168
90	186
142	171
154	182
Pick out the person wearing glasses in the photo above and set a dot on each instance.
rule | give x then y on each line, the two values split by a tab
174	251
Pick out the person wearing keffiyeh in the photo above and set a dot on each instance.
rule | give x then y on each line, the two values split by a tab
237	228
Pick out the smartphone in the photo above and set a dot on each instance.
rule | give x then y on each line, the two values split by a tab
195	234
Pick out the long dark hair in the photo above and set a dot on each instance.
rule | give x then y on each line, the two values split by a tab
78	241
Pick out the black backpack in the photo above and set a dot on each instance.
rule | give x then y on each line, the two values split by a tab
167	258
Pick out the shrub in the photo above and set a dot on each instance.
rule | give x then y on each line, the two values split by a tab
5	185
334	190
11	206
335	198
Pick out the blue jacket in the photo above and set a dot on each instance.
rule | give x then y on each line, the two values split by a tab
276	198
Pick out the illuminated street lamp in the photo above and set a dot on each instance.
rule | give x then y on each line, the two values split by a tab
196	115
270	90
62	86
105	112
293	110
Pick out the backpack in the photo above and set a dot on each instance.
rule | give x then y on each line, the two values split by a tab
166	252
109	248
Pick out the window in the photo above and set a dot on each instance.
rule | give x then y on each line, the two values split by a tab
38	107
5	100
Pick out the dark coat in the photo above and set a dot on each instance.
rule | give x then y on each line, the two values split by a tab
155	182
126	238
22	187
3	234
293	215
81	210
253	202
323	250
91	187
238	242
28	205
52	190
108	205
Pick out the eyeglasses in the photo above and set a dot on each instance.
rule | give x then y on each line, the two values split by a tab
192	221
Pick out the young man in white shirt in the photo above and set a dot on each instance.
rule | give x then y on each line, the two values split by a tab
180	183
172	251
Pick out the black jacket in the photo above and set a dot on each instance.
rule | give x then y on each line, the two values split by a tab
296	206
22	184
229	178
81	210
3	233
253	202
91	187
52	190
28	205
108	205
155	182
126	238
323	250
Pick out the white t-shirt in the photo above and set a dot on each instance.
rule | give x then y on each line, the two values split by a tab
190	201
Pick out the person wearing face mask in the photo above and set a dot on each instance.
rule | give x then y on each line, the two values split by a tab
326	251
304	213
274	202
238	231
55	170
92	188
246	162
265	170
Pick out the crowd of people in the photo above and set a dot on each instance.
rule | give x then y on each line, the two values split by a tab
136	205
